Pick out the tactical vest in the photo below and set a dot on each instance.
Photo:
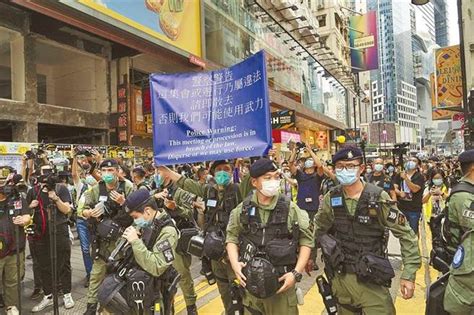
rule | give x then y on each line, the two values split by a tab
112	208
361	233
271	240
218	209
144	185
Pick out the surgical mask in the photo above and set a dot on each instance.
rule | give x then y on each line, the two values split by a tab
410	165
141	222
222	178
208	178
158	180
288	174
308	164
368	171
347	177
391	169
270	188
378	167
108	178
90	180
438	181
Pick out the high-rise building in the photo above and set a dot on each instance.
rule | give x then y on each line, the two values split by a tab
441	18
394	79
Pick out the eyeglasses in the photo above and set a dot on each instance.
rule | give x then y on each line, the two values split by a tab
347	167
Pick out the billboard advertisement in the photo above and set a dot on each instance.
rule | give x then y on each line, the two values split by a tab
363	41
215	115
437	112
448	77
176	22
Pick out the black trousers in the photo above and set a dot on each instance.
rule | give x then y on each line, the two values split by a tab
36	265
63	263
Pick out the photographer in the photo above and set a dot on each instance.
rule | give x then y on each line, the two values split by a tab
14	214
435	195
46	196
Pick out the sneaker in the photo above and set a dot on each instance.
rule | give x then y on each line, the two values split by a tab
45	302
12	310
68	301
36	295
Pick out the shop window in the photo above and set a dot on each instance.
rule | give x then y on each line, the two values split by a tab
70	78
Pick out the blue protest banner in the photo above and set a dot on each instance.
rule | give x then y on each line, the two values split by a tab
205	116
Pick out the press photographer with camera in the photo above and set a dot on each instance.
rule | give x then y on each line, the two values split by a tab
103	208
51	203
14	215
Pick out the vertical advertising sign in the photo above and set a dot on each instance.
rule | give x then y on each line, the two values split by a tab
122	109
363	41
448	78
437	112
204	116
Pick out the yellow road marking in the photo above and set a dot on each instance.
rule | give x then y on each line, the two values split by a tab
197	288
214	307
313	302
201	292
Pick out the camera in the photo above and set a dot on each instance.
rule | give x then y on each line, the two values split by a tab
29	155
400	148
300	145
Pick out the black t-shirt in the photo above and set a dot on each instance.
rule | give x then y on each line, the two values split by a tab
36	193
412	201
309	186
382	181
7	228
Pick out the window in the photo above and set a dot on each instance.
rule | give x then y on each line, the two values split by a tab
12	83
321	20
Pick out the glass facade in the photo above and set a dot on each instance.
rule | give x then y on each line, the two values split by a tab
233	32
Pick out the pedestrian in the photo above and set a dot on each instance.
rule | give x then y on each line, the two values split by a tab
379	178
269	243
435	195
409	186
351	228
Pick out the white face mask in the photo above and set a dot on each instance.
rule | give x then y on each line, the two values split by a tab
270	188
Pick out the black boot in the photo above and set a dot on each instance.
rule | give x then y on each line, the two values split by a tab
2	303
192	309
91	309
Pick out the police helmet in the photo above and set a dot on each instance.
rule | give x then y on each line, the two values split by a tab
110	297
262	278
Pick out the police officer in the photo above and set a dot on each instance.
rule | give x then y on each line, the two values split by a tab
9	222
219	199
459	294
147	268
351	228
139	178
268	243
178	203
103	207
379	178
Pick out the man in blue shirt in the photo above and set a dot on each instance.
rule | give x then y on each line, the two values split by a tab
309	181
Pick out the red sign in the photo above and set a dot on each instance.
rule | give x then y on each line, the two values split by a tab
284	136
197	61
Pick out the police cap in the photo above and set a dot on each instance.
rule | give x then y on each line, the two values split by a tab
261	167
109	163
217	163
466	156
137	200
347	154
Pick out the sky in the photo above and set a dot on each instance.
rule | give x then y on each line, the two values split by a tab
453	22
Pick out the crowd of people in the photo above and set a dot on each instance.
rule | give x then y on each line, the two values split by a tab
254	223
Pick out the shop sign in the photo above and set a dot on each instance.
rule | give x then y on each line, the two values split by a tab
283	119
122	120
285	136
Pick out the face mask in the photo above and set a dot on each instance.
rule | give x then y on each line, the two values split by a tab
141	222
208	178
90	180
108	178
158	180
391	169
308	164
347	177
288	174
270	188
410	165
438	182
430	165
222	178
378	167
368	171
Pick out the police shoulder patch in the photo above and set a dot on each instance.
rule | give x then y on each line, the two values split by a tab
392	215
401	219
165	248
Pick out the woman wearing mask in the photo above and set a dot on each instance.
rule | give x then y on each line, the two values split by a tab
434	196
